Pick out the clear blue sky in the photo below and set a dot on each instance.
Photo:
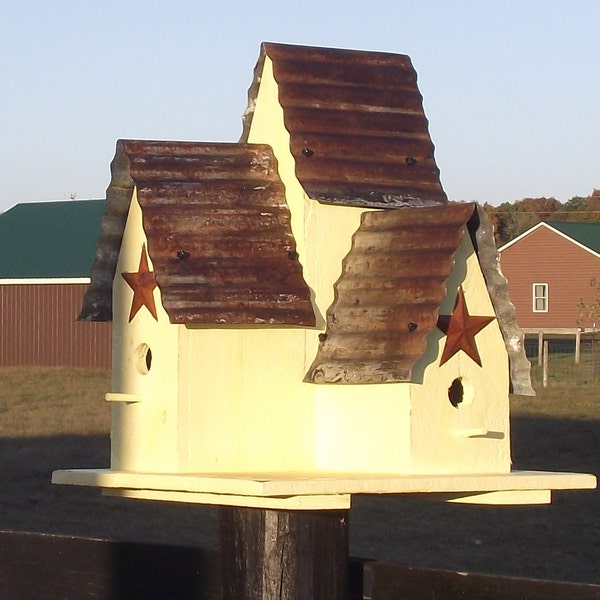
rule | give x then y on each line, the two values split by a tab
511	87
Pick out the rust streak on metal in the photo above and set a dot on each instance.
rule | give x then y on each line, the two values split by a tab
388	296
358	132
219	233
218	230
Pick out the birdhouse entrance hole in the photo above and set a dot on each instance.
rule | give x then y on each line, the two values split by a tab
143	359
460	393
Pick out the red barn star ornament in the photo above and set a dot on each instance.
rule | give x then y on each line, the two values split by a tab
142	283
461	328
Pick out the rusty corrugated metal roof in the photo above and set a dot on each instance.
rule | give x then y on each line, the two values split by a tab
218	230
357	127
388	296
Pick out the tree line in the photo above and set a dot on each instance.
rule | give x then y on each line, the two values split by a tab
512	219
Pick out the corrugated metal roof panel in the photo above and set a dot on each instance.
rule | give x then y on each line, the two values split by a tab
388	296
357	128
218	230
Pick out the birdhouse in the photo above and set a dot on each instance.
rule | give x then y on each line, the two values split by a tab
303	316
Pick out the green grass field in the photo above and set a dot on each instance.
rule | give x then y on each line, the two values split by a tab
562	370
57	418
53	401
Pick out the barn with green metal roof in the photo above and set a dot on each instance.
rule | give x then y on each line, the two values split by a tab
46	251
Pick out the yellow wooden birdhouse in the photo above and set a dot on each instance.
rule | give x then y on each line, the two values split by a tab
303	316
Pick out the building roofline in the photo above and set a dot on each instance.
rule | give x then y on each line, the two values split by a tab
520	236
555	230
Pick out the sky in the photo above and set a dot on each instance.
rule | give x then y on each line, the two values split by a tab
511	88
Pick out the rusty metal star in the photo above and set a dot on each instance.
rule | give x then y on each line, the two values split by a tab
142	283
461	328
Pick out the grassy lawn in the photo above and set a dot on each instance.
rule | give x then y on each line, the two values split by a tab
562	370
559	400
56	418
53	401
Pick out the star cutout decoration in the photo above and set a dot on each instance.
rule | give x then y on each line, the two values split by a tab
142	283
461	328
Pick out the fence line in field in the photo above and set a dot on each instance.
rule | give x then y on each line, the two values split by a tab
564	360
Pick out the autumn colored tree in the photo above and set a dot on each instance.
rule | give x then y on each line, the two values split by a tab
512	219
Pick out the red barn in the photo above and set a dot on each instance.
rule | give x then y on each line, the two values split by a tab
46	251
551	270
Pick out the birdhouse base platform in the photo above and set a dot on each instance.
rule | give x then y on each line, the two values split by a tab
324	491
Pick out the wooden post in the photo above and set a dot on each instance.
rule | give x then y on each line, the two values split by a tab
545	369
577	346
283	554
540	347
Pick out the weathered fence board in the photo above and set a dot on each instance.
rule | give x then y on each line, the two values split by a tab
53	567
49	567
386	581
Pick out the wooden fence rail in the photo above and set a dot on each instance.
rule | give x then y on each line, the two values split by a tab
50	567
385	581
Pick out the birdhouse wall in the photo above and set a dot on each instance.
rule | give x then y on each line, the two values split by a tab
244	406
364	428
472	437
144	371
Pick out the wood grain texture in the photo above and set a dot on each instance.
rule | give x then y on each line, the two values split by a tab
284	555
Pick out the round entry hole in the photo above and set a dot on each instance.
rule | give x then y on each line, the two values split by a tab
143	359
460	392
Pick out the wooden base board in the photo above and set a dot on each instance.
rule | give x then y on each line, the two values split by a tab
314	502
323	491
